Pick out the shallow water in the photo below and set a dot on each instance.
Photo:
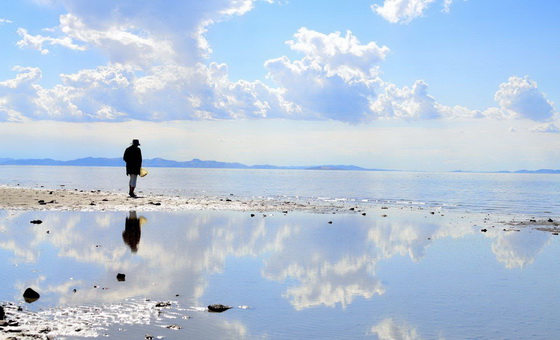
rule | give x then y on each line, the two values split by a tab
409	275
536	194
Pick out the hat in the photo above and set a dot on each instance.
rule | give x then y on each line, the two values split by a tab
135	142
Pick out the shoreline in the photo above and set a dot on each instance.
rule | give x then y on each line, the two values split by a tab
43	199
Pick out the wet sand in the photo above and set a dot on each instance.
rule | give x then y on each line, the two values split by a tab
41	199
19	198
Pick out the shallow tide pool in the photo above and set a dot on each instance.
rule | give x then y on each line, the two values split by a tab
409	275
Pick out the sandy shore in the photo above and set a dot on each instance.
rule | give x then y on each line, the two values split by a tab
19	198
40	199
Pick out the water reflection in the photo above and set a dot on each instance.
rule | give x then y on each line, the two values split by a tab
389	329
297	263
133	230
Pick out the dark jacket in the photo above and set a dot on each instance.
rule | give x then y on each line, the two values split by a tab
133	158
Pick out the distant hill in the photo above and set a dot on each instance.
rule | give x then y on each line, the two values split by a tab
540	171
165	163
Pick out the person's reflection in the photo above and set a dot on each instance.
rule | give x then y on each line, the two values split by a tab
132	232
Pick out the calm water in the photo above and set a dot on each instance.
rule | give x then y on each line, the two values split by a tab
500	193
409	275
291	276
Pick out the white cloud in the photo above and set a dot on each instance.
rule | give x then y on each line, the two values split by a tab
402	11
18	95
157	72
5	21
334	80
447	6
344	56
521	98
36	42
546	127
407	102
117	92
140	32
337	79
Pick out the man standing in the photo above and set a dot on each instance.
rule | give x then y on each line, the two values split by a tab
133	158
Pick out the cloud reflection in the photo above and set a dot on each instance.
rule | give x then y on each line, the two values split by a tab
178	253
390	329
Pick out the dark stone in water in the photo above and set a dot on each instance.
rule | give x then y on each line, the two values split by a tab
484	230
163	304
30	295
120	277
550	220
36	222
218	308
2	314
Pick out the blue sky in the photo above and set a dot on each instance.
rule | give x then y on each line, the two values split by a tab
400	84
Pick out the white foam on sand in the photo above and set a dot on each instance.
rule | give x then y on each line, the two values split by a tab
82	321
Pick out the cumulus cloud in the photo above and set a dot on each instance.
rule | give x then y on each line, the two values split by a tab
5	21
139	32
407	102
18	95
117	92
158	71
340	55
336	78
402	11
156	67
521	98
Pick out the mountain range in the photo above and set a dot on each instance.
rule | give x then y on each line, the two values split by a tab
165	163
202	164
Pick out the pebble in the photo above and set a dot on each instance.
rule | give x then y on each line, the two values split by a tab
218	308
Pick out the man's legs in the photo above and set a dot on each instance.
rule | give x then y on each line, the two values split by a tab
132	185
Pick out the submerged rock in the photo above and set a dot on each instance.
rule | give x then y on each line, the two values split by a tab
30	295
2	314
174	327
121	277
217	308
36	221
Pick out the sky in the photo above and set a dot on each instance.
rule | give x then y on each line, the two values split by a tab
432	85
